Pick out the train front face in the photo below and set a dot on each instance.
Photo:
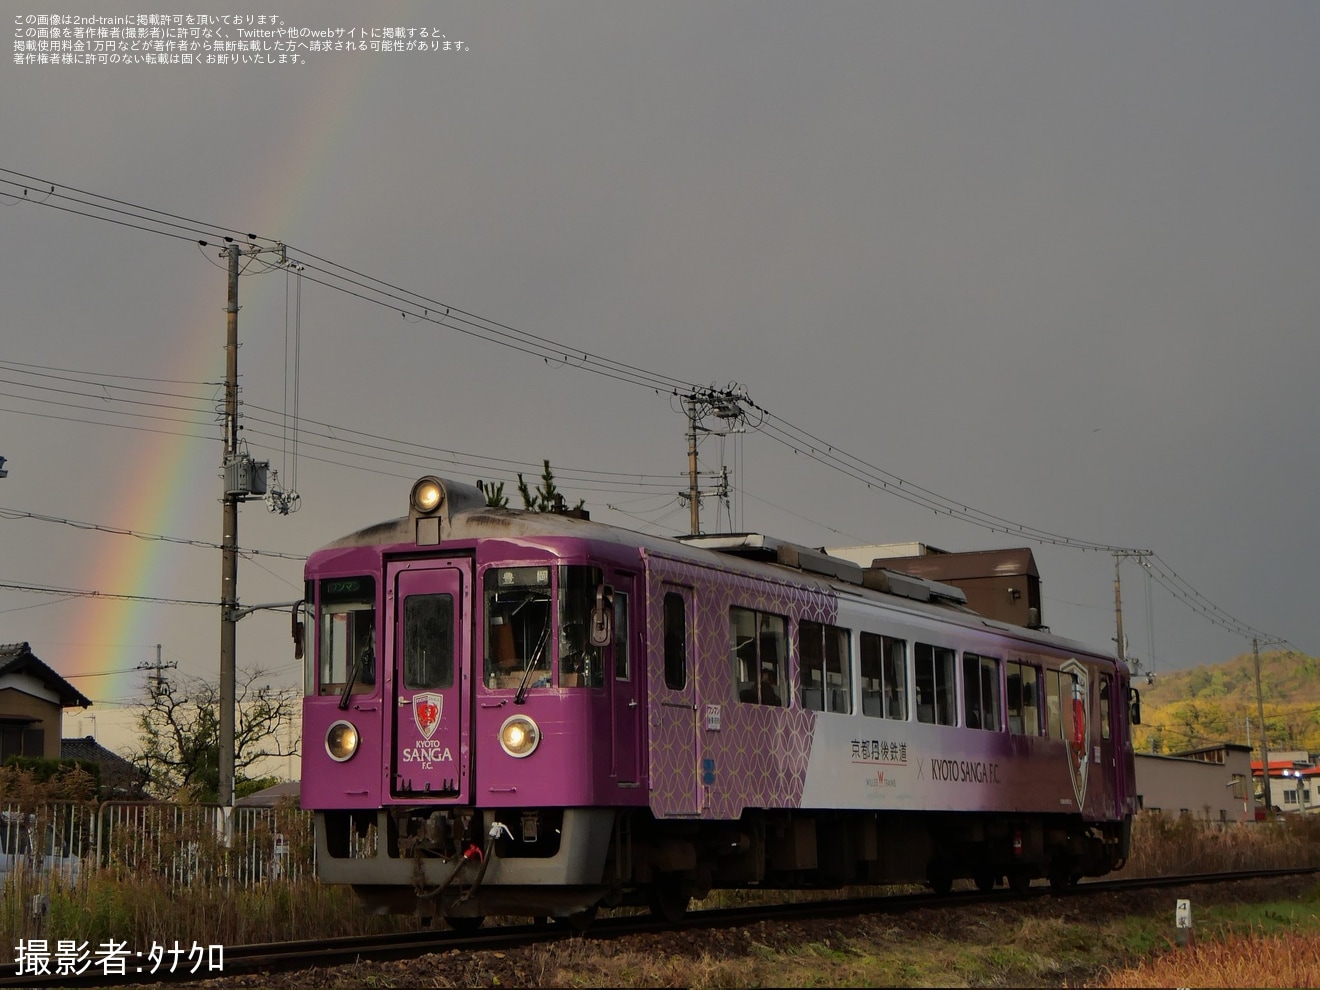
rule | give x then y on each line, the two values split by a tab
456	698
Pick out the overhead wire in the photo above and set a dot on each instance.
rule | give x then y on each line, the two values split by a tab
45	589
338	438
378	291
7	513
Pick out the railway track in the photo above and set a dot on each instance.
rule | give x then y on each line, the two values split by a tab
322	953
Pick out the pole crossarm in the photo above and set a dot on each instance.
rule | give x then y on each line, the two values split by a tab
242	613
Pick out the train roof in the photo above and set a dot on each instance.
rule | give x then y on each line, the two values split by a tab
462	514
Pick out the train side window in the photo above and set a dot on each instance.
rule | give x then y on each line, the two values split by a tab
1053	709
935	684
622	657
675	642
757	647
981	691
811	664
1023	699
1104	706
825	663
428	641
884	676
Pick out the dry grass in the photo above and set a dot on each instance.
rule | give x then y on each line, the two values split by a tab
146	909
1288	959
139	896
1163	846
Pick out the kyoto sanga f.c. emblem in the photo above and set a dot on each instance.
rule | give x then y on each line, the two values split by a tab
426	712
1077	696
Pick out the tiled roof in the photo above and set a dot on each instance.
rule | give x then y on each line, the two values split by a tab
18	658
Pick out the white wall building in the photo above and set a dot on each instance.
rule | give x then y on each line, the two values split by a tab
1211	783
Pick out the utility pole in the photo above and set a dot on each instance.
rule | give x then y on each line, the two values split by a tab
697	404
1121	640
243	477
1264	744
1118	609
694	495
229	542
158	680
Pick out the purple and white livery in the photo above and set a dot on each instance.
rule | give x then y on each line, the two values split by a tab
522	713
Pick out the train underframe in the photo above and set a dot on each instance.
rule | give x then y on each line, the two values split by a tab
464	864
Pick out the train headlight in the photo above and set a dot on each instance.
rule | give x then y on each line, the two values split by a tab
519	736
341	741
427	495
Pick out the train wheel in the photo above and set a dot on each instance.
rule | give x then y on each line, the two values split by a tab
464	923
1019	881
985	881
669	899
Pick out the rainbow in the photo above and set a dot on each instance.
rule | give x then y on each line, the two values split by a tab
174	487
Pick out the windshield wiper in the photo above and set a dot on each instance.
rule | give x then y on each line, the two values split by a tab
366	658
521	697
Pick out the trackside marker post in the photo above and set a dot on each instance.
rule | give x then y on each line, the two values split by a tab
1182	921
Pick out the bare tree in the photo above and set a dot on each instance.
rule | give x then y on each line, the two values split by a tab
180	733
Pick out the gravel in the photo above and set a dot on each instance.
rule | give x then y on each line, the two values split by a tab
766	954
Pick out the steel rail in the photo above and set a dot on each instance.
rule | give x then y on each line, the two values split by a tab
323	953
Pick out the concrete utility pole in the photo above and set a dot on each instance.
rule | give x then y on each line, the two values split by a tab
1118	609
694	494
1264	744
697	404
1121	640
158	680
243	477
229	542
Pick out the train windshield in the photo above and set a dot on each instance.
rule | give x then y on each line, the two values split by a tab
346	652
580	663
518	621
530	623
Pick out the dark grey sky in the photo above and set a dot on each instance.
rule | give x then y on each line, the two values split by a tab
1053	260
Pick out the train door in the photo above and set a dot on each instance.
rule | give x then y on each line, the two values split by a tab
1075	704
1125	783
428	656
672	768
626	710
1104	745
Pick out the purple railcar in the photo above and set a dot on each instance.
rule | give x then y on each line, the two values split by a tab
519	713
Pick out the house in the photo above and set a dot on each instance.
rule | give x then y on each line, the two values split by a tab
999	584
1210	782
272	796
1294	782
119	778
32	702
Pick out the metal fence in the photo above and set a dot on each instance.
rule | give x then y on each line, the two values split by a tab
181	844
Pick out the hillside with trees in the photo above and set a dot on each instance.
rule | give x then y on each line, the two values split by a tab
1216	703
